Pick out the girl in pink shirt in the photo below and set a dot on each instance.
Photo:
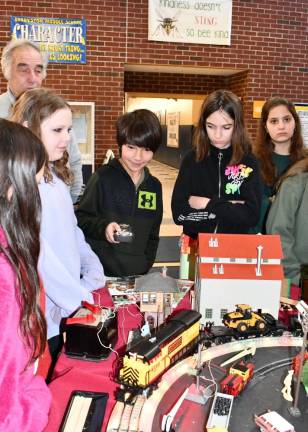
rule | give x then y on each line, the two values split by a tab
24	396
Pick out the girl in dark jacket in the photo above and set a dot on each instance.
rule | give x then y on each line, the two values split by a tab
288	218
278	146
218	188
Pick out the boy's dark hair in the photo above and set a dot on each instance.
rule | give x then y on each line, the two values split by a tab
140	128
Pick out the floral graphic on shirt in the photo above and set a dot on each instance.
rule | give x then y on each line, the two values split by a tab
236	175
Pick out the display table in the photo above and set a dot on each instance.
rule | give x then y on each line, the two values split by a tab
264	392
74	374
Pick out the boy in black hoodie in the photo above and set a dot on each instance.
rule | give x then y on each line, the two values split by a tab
124	192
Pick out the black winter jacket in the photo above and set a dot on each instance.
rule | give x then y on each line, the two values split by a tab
111	196
215	179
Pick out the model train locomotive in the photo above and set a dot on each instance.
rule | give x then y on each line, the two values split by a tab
239	375
149	358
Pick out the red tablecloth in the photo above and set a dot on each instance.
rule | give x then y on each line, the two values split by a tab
72	374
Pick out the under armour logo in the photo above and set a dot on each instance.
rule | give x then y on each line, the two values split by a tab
147	200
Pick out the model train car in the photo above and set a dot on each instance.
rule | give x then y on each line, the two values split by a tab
289	316
244	323
239	375
244	319
148	359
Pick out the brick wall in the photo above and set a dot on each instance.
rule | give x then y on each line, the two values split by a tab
101	79
168	83
269	42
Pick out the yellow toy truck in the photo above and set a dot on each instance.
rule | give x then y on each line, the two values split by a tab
244	319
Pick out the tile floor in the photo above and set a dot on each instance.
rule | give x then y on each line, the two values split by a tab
167	175
168	253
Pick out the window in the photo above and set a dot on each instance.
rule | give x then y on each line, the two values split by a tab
83	125
152	299
232	259
168	299
145	298
215	259
208	313
223	312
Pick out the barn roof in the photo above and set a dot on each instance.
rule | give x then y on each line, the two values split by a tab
239	246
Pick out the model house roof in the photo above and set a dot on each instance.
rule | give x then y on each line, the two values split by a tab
240	246
156	282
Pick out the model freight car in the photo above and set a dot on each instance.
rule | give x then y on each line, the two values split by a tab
244	318
289	316
245	322
148	359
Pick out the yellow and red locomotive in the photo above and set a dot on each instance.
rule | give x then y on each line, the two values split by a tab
149	358
237	379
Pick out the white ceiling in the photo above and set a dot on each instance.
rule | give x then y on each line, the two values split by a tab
181	69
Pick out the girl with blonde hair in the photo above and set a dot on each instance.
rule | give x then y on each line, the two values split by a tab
69	268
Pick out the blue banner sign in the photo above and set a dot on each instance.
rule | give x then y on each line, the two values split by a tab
63	39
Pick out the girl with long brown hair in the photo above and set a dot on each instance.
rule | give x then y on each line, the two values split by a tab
279	144
218	187
24	397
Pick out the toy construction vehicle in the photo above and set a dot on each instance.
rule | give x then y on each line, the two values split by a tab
244	319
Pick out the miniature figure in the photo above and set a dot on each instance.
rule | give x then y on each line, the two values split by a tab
286	390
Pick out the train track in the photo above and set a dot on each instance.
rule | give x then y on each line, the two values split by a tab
262	371
125	416
146	408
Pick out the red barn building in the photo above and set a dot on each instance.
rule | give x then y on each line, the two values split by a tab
238	268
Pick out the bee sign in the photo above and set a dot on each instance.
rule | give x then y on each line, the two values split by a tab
62	39
190	21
